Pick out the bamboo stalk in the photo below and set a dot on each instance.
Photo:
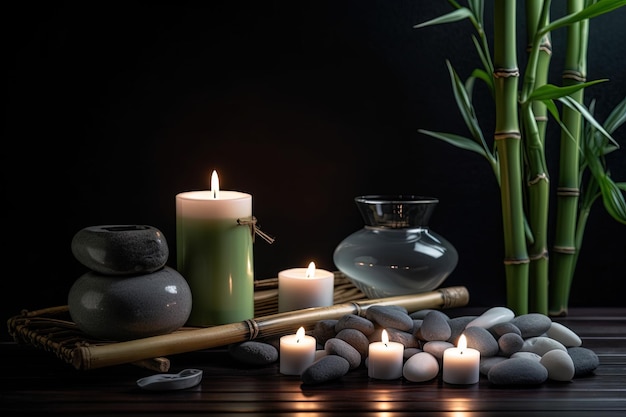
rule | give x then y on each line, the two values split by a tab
508	143
568	189
92	357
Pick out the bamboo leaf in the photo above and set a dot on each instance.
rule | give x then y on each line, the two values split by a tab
613	198
617	117
551	91
551	107
596	9
458	141
573	104
465	105
455	16
482	75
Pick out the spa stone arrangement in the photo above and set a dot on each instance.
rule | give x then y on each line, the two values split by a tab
529	349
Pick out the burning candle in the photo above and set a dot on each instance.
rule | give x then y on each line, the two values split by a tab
461	364
300	288
214	254
384	360
297	352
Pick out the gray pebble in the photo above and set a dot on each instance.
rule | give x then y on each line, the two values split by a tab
417	324
325	369
500	329
436	348
356	339
564	334
457	325
406	338
342	348
324	330
120	249
389	316
352	321
527	355
585	360
559	365
253	353
480	339
420	314
510	343
408	352
487	363
541	344
517	371
532	324
435	327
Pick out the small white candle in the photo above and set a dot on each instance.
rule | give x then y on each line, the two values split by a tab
300	288
297	352
384	359
461	364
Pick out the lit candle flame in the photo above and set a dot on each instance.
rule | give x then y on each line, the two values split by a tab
462	343
300	334
384	337
215	185
310	272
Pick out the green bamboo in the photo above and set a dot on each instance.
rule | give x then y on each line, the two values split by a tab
568	191
534	119
508	144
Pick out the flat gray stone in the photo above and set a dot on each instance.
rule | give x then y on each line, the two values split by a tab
500	329
585	360
389	316
356	339
253	353
559	364
120	249
435	327
517	371
480	339
510	343
352	321
324	330
457	326
532	324
541	344
327	368
342	348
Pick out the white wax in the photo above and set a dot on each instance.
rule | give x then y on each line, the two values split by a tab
297	352
297	291
385	360
461	365
203	205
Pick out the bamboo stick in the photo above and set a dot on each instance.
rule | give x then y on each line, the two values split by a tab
92	357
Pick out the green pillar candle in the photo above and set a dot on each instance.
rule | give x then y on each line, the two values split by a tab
214	254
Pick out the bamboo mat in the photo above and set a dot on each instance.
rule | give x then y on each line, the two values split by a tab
52	330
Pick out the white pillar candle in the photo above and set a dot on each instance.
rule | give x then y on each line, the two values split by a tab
385	359
214	254
297	352
300	288
461	365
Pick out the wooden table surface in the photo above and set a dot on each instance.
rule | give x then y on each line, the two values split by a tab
34	382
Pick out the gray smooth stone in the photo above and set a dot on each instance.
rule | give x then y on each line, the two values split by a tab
436	348
501	329
324	330
517	371
406	338
559	364
510	343
435	327
585	360
480	339
389	316
107	307
487	363
120	249
541	344
253	353
356	339
457	326
532	324
327	368
344	349
352	321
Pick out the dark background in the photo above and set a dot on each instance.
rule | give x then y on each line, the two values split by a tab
111	109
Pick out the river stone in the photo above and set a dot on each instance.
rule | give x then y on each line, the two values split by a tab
324	330
585	360
327	368
503	328
406	338
120	249
510	343
436	348
253	353
480	339
517	371
356	339
352	321
344	349
408	352
559	364
420	367
435	327
389	316
493	316
420	314
563	334
541	344
487	363
457	325
532	324
528	355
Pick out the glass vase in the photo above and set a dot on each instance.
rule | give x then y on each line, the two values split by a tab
395	253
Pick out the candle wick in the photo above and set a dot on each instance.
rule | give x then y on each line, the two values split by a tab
214	193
